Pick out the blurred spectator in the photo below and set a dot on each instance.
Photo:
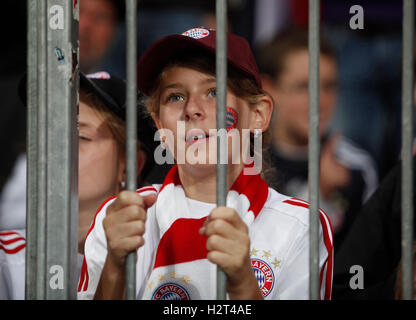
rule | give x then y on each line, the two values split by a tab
348	176
368	110
374	243
270	17
98	22
369	66
101	167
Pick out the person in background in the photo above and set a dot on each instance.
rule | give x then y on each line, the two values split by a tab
347	173
98	25
374	243
101	170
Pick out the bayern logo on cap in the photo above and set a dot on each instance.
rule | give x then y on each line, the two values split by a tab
264	275
170	291
196	33
99	75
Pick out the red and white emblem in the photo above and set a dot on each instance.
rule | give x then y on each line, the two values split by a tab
99	75
170	291
231	119
264	275
196	33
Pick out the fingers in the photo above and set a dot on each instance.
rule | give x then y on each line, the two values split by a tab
226	223
124	224
126	214
228	215
228	241
126	199
124	230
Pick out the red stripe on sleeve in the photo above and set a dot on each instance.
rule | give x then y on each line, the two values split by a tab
13	251
11	240
147	188
328	245
82	276
8	233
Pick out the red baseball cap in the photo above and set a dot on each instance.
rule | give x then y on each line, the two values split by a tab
239	54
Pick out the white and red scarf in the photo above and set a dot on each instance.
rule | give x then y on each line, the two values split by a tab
179	237
181	269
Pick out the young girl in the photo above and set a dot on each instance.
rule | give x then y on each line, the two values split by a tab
260	240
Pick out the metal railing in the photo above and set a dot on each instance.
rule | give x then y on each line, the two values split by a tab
52	201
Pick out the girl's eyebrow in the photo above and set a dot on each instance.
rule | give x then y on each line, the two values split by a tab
179	85
173	86
85	125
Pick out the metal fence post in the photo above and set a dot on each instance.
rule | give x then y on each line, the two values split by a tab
314	148
53	150
221	76
407	148
131	128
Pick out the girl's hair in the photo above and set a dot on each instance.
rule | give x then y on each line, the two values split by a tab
242	85
116	125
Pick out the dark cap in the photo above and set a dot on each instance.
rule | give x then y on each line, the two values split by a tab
239	54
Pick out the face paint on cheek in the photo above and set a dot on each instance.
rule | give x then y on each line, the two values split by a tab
231	119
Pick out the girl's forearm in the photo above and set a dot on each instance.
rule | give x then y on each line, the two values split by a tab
112	282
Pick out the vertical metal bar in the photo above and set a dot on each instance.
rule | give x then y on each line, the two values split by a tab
52	201
407	148
131	128
62	150
31	282
41	182
221	75
313	163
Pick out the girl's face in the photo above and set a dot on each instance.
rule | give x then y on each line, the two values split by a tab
101	166
188	98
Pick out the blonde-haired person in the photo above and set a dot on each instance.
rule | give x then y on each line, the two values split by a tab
101	168
260	239
102	144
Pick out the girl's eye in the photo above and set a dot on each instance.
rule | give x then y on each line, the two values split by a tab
84	138
175	98
212	93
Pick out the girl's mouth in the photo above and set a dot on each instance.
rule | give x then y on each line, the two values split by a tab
196	135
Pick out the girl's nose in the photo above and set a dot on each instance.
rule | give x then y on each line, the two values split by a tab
194	110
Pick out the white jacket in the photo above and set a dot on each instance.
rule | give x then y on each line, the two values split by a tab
12	264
